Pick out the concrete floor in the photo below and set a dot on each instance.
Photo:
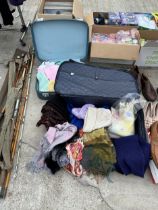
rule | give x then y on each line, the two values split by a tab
62	191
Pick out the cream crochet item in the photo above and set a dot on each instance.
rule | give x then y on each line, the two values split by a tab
97	118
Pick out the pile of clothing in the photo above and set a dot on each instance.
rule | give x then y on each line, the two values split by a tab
90	139
46	75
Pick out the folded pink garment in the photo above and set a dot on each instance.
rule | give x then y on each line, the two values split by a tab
58	135
49	69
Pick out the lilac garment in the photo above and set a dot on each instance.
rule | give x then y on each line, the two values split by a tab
63	133
49	69
74	120
80	113
50	135
54	136
16	2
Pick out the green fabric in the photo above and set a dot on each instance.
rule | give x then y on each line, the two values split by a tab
98	159
99	153
43	82
98	136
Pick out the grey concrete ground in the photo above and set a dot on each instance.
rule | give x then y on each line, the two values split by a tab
62	191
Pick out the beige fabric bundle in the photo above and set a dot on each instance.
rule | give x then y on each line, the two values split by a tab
97	118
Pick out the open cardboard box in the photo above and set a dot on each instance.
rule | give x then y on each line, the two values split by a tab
145	34
67	9
112	50
96	49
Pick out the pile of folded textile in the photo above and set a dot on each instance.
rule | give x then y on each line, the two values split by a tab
90	139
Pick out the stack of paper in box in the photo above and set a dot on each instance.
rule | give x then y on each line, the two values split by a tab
58	7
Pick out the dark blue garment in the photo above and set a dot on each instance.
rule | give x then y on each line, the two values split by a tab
133	155
16	2
73	119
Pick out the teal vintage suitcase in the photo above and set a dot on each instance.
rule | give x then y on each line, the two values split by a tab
59	40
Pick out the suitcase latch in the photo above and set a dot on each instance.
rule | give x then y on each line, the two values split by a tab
96	77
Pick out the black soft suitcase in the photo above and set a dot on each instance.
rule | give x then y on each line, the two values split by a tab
80	84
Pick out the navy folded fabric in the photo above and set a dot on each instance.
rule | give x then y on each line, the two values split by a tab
133	155
16	2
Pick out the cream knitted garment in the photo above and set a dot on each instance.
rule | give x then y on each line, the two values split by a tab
97	118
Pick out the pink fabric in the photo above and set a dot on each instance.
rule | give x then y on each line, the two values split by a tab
74	152
50	135
49	69
58	135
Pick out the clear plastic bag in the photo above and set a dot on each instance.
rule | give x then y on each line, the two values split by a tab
124	114
132	101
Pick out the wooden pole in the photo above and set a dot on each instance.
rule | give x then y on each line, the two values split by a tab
19	125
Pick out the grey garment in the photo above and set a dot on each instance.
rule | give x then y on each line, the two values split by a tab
59	154
36	164
38	161
59	134
6	134
55	152
63	159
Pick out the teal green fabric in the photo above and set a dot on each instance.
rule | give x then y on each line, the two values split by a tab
43	82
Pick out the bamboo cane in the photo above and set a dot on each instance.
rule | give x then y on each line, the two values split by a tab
13	129
13	149
6	174
24	115
22	112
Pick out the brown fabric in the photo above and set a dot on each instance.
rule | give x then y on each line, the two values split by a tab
154	142
147	89
53	112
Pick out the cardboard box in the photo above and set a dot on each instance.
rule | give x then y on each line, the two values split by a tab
112	50
149	34
145	34
148	55
129	50
90	20
109	50
60	9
